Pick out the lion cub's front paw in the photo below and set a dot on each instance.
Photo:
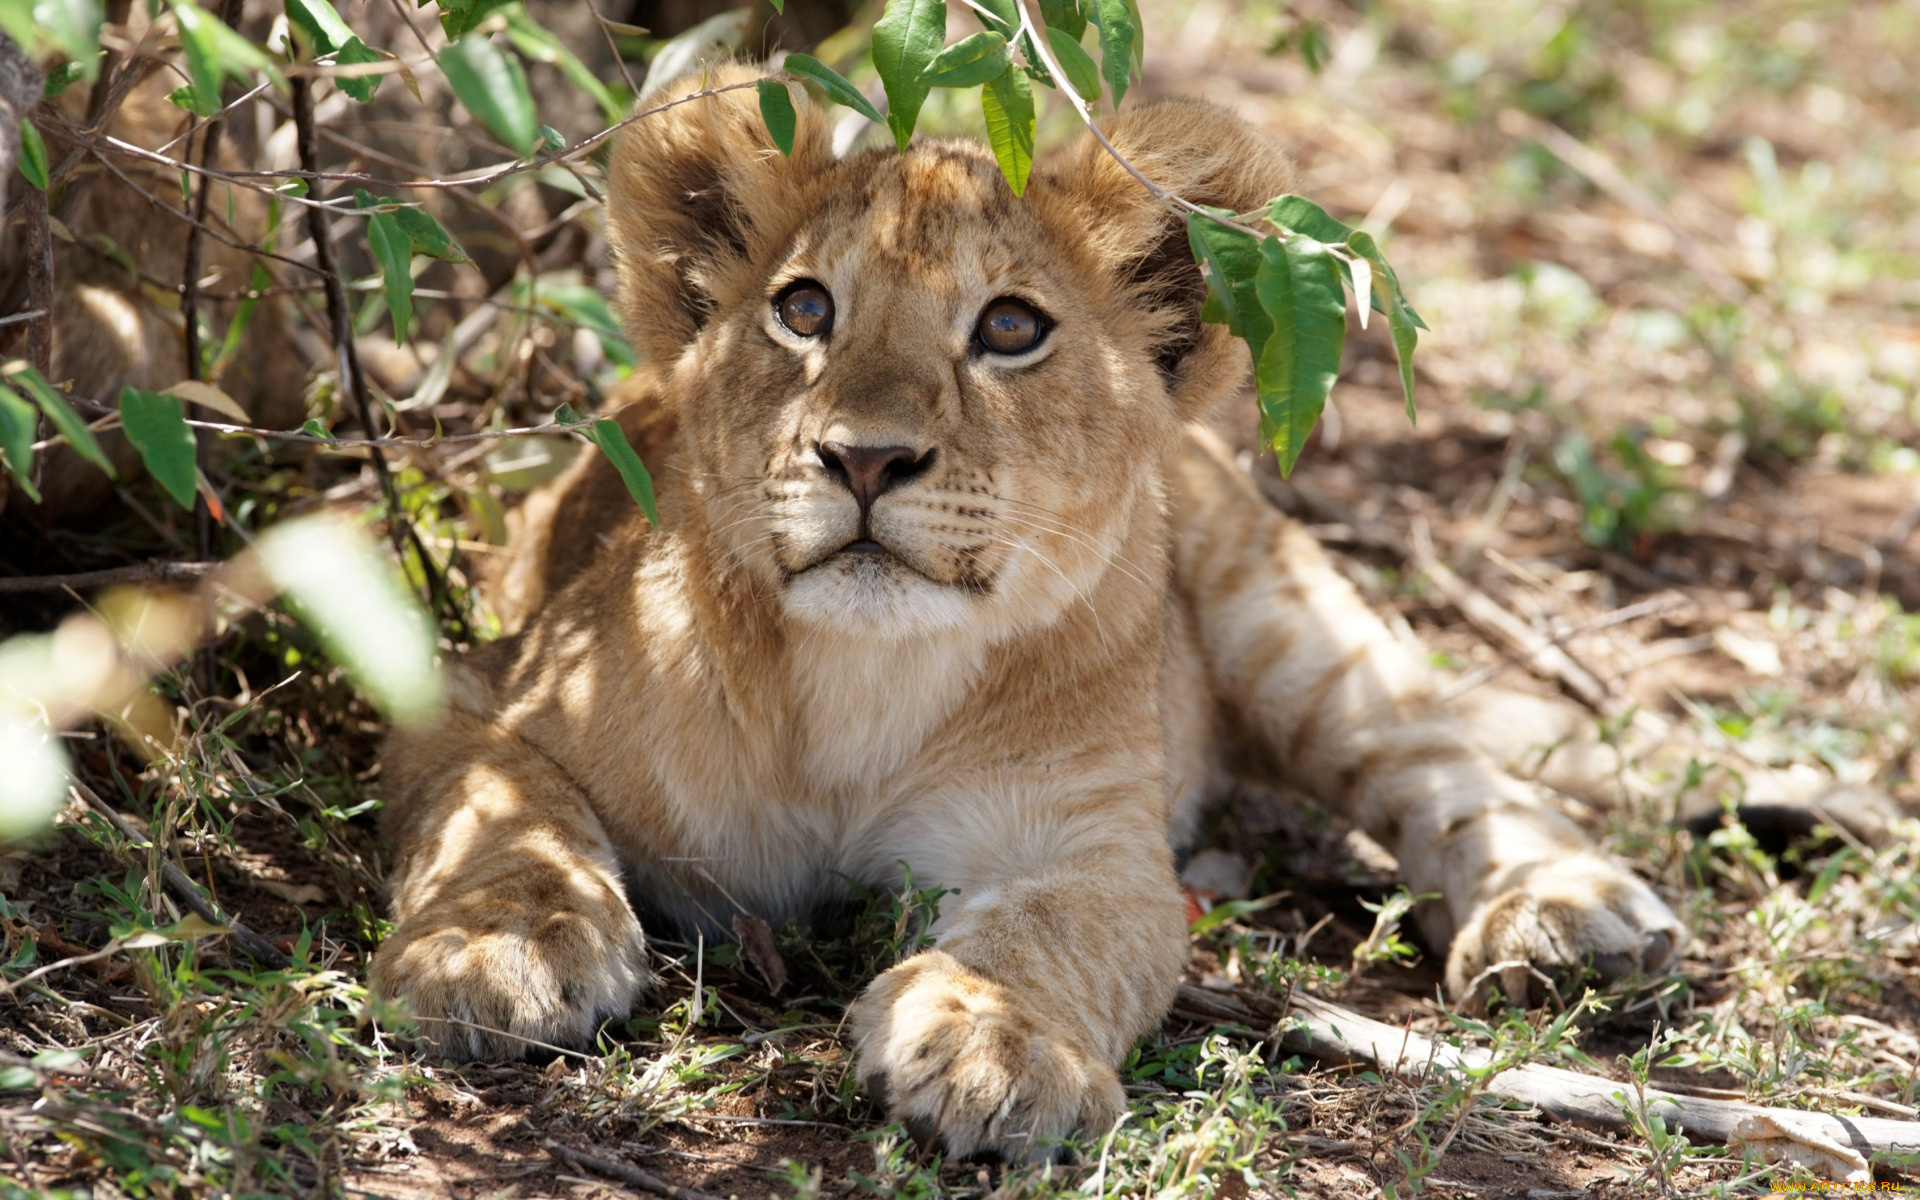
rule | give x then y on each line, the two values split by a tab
1561	919
488	977
952	1055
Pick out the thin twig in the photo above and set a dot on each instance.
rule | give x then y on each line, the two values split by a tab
344	206
1521	639
1651	606
103	410
147	572
252	944
646	1181
399	529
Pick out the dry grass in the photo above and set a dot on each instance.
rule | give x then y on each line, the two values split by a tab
1671	255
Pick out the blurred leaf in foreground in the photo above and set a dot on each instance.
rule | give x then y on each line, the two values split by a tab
34	784
353	598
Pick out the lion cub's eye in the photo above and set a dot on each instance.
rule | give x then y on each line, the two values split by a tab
1010	326
804	308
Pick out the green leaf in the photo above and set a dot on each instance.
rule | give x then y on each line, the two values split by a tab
71	27
352	596
313	428
1299	287
833	83
493	87
1362	243
998	16
356	53
1008	104
1402	322
156	424
215	53
1119	38
1299	213
66	421
317	22
427	235
779	6
1230	259
394	252
320	26
776	109
1081	70
1063	15
60	78
613	443
969	62
905	40
540	45
18	424
459	17
33	155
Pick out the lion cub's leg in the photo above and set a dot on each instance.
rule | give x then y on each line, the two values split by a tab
1335	704
1063	946
510	922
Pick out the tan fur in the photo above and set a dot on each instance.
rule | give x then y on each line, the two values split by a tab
1085	618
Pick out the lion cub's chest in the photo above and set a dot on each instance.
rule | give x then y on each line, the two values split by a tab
774	815
860	711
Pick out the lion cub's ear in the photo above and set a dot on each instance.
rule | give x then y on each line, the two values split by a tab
1203	153
696	195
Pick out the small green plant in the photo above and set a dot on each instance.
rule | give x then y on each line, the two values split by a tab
1383	943
1621	508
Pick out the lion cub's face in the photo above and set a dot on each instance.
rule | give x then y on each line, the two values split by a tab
908	400
916	417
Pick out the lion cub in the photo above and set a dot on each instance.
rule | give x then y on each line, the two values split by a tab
946	574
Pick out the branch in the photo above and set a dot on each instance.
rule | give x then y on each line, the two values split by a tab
400	530
646	1181
1331	1033
147	572
256	947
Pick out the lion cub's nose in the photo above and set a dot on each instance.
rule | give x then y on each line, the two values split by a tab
869	471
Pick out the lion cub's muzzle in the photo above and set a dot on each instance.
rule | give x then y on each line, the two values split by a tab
869	472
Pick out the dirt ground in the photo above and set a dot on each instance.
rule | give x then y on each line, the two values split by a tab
1670	254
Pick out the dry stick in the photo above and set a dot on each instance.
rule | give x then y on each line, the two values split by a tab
400	530
1333	1033
99	408
256	947
1651	606
1534	648
646	1181
1542	655
147	572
